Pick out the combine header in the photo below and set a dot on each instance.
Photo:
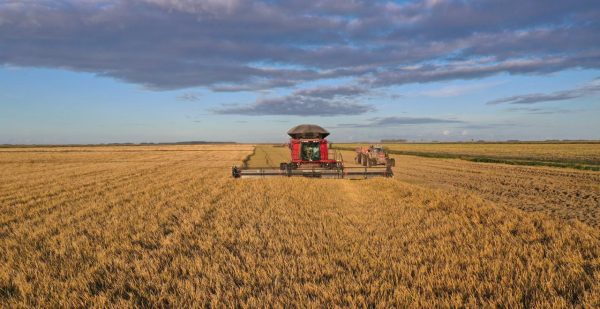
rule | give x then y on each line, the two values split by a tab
311	157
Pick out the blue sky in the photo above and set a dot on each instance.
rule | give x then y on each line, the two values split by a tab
100	71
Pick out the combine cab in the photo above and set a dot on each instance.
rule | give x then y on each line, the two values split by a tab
311	157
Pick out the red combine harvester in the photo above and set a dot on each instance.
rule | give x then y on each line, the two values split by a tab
312	157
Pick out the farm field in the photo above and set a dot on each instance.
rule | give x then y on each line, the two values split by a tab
268	156
168	226
585	154
558	192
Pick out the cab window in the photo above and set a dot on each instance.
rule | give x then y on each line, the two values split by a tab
311	151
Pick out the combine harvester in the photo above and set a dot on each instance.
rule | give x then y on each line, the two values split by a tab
311	157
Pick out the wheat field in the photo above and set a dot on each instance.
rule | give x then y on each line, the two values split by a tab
562	193
580	153
166	226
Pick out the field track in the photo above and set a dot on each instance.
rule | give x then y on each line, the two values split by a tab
143	226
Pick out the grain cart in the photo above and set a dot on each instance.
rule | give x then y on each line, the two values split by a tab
311	157
373	155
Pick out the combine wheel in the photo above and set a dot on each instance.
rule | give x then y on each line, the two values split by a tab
369	162
392	162
236	172
358	158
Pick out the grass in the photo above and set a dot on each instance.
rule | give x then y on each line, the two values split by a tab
173	229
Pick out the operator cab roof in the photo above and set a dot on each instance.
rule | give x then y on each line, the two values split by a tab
307	131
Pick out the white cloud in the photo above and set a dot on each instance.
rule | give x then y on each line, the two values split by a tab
236	45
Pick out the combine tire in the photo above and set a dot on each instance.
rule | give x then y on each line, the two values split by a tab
369	162
392	162
358	158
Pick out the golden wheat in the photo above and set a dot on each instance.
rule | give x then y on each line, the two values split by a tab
561	193
269	156
586	153
558	192
149	227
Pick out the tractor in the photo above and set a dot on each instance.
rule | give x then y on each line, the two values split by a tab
373	155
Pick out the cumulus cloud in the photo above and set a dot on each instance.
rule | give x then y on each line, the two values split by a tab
238	45
317	101
479	68
591	88
297	106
